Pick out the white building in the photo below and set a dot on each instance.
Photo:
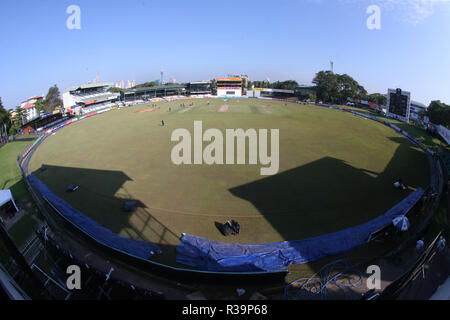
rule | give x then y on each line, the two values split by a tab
270	93
91	96
415	108
229	87
29	111
130	84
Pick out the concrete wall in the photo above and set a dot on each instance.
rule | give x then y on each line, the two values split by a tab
229	92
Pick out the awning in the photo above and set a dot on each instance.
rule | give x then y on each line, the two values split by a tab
6	196
90	102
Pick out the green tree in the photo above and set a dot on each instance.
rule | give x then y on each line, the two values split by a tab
312	97
115	89
146	85
335	88
40	106
438	113
4	115
262	84
377	98
5	120
16	121
285	85
327	86
52	99
349	88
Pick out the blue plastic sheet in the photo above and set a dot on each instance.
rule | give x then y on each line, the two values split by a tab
138	248
232	257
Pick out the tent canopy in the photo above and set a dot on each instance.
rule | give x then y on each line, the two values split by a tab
5	197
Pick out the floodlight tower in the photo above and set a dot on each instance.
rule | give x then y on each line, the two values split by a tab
332	66
162	77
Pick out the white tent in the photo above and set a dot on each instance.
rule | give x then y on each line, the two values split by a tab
401	222
6	196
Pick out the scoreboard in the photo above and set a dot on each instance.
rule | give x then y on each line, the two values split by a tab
399	103
229	86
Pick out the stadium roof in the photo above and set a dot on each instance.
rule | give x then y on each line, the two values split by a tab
419	104
28	106
229	79
90	85
102	97
200	82
35	97
31	98
273	90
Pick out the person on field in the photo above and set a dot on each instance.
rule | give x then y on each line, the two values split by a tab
399	185
235	226
162	123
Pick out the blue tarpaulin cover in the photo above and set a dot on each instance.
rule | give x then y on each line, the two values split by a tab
138	248
232	257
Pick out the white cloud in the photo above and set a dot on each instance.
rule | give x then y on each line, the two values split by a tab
411	11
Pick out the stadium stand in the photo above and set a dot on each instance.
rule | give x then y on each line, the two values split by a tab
199	88
148	94
95	284
89	97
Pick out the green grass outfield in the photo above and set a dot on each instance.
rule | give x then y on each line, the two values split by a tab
336	171
415	131
11	178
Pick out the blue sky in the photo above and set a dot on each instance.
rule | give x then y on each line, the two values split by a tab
194	40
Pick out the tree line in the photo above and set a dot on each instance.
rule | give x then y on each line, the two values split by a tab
438	113
330	88
148	84
338	88
284	85
12	123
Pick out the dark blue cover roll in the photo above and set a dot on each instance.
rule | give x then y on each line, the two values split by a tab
233	257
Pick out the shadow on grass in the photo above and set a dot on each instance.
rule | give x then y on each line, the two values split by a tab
329	195
24	139
429	140
319	197
101	196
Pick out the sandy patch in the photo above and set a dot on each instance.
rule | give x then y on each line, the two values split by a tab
266	110
147	110
223	108
185	109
